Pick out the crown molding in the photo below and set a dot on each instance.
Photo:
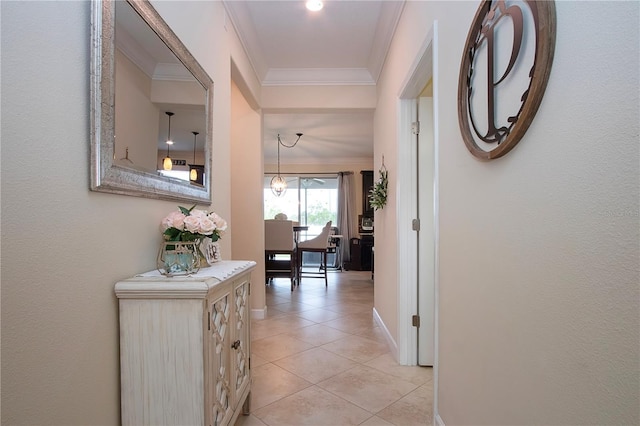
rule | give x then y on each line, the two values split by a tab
238	13
134	52
318	77
271	162
240	18
173	72
145	62
387	24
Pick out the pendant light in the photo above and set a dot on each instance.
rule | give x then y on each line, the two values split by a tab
193	175
278	183
167	164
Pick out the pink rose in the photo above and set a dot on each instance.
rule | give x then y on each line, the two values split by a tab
220	223
207	226
173	220
192	223
198	213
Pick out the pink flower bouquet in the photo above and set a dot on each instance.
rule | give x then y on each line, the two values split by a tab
192	224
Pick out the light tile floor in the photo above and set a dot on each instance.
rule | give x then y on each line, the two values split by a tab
319	358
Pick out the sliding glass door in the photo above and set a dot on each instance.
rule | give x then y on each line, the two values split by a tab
309	200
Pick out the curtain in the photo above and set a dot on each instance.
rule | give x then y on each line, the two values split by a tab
346	212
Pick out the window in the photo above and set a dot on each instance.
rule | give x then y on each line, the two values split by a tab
311	201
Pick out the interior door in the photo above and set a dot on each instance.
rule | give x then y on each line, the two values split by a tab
426	233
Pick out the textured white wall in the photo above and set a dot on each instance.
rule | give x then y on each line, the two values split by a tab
246	190
548	301
539	257
358	97
136	118
63	246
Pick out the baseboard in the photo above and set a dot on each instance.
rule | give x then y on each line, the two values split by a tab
439	421
392	343
259	314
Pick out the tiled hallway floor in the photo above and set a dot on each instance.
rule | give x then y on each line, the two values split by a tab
319	358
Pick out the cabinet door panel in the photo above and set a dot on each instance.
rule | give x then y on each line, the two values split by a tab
220	406
161	362
242	340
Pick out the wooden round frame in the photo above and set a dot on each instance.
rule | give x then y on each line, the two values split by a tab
545	17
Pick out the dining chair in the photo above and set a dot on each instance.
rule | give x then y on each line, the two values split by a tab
317	244
279	250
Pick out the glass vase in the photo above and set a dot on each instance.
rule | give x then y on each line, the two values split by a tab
178	258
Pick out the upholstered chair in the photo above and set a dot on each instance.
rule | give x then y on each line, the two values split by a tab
279	250
317	244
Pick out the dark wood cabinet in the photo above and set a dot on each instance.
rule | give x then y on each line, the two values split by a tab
361	254
367	185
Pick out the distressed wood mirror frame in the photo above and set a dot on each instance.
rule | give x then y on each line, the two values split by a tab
481	36
106	175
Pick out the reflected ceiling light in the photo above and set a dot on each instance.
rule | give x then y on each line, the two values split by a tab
314	5
193	175
167	164
278	183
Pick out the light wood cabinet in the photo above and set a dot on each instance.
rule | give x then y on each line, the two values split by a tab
185	345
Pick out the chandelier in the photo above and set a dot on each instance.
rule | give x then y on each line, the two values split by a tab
278	183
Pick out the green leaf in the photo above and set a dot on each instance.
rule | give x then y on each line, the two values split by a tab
186	211
172	234
188	236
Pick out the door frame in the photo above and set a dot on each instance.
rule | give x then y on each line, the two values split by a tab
424	67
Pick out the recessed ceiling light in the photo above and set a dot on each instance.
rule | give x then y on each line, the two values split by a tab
314	5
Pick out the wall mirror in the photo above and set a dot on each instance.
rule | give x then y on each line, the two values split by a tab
147	89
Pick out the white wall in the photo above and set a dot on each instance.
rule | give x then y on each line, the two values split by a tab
539	257
63	246
136	117
323	97
246	188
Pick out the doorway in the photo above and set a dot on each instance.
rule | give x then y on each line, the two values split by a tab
423	70
426	229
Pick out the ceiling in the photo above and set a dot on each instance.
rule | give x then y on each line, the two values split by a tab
345	43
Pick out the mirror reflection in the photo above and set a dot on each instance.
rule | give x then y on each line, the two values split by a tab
140	71
160	114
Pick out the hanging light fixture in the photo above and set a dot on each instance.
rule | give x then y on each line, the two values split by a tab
278	183
167	164
193	175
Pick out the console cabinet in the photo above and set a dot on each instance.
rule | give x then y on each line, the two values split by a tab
185	346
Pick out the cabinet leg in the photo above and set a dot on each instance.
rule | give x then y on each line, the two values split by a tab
246	407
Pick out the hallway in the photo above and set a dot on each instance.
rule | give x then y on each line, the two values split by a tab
319	358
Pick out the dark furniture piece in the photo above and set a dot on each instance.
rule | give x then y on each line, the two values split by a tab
367	186
361	253
366	258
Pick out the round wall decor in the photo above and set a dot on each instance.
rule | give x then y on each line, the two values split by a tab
505	67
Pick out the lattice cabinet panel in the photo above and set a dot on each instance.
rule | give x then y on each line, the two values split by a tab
219	352
242	342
